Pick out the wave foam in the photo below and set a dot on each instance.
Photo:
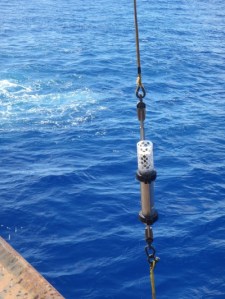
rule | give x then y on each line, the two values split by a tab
22	106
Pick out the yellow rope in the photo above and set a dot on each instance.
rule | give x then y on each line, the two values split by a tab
152	278
139	83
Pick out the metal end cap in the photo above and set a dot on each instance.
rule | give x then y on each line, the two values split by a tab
146	178
149	220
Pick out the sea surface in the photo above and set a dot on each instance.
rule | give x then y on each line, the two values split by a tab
68	133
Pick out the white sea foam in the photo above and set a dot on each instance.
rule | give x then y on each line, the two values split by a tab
10	89
4	84
23	105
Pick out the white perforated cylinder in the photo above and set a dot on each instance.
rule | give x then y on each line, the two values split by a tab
145	156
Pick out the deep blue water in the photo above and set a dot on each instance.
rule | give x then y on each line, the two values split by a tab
68	133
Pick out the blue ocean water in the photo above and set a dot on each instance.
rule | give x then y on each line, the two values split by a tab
68	133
